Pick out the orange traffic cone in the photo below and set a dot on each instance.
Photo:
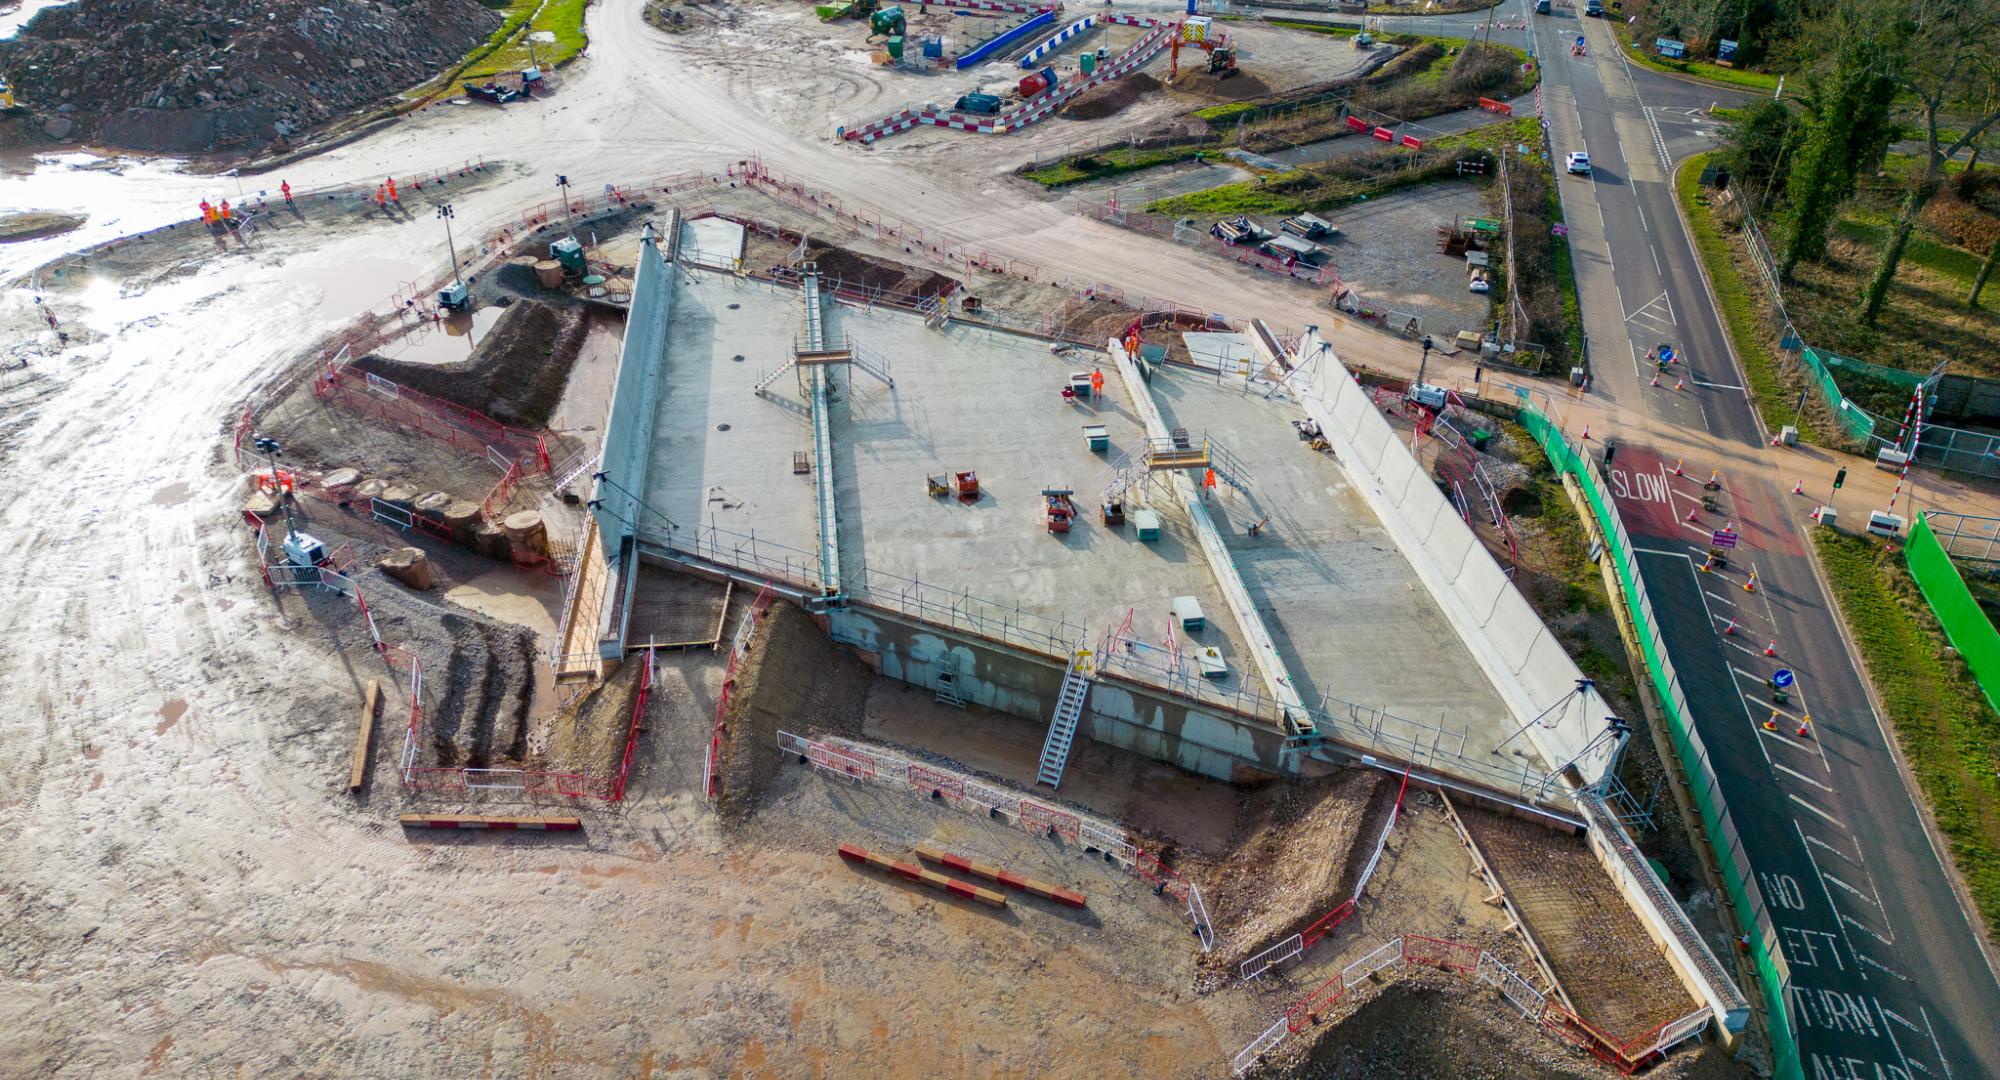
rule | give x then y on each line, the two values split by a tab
1679	385
1805	728
1772	723
1799	488
1751	585
1772	648
1691	513
1586	433
1677	467
1656	380
1730	630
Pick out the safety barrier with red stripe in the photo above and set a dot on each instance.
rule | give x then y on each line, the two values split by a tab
461	821
1034	109
632	735
739	647
910	871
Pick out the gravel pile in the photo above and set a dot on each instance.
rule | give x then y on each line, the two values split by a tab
176	76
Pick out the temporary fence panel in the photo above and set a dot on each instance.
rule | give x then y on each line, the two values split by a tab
1965	623
1436	952
1283	952
1247	1057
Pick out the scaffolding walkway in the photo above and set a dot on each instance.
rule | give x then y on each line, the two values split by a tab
1068	714
829	523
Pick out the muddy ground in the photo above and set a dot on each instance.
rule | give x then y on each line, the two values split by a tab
516	373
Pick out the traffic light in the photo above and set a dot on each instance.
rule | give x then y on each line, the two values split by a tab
1840	478
1610	448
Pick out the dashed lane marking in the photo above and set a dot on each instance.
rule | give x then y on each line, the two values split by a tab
1828	818
1780	766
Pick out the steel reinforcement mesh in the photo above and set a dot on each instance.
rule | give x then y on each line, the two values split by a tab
1773	974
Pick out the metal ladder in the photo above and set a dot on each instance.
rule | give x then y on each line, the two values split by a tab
1069	712
765	382
947	690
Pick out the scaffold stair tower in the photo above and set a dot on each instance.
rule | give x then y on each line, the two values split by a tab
1069	713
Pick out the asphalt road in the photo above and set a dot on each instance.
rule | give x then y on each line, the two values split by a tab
1888	978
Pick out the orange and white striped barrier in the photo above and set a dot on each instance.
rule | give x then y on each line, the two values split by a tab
855	854
468	821
963	865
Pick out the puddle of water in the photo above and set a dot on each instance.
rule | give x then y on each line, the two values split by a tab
353	285
444	342
12	21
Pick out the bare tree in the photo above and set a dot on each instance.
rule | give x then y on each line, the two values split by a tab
1948	70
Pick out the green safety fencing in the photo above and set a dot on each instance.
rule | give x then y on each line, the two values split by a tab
1964	621
1854	419
1737	878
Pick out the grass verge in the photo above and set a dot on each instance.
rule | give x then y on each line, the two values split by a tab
1946	730
1740	316
507	50
1110	163
1697	69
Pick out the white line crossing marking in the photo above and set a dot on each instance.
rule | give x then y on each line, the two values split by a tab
1830	906
1715	385
1904	1058
1799	775
1829	818
1866	929
1856	892
1934	1043
1747	651
1866	959
1830	849
1723	599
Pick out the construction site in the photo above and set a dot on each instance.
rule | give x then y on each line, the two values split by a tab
817	639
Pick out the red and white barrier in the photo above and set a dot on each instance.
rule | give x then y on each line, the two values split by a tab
462	821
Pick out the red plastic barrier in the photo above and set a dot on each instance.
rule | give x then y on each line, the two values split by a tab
1385	134
1500	107
1357	123
1413	142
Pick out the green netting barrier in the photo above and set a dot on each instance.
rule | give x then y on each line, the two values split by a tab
1773	974
1964	622
1853	418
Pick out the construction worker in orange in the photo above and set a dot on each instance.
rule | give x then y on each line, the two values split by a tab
285	189
392	191
207	212
1208	478
1097	383
224	210
378	196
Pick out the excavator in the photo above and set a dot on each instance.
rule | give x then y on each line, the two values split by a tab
1222	62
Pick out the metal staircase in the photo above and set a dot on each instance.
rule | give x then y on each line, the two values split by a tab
765	382
1068	714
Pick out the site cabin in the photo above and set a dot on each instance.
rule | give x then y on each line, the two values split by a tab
1146	525
1309	227
1291	247
1187	610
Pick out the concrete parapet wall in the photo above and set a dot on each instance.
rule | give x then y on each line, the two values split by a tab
1122	714
628	424
1519	653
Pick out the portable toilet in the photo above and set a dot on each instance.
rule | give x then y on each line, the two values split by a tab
934	48
569	253
896	47
1087	63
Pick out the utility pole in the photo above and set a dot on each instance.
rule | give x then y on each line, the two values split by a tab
445	215
1425	362
272	450
562	182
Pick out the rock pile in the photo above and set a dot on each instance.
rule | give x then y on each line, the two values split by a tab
192	76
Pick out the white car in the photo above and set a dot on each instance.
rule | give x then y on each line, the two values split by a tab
1578	163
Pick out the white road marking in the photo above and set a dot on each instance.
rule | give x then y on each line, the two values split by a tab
1722	599
1715	385
1829	818
1851	889
1934	1043
1780	766
1904	1058
1830	906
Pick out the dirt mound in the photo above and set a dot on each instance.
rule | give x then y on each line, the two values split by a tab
1239	87
795	679
849	268
516	375
1433	1025
1111	98
178	77
1296	853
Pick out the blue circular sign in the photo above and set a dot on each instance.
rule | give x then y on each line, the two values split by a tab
1782	679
